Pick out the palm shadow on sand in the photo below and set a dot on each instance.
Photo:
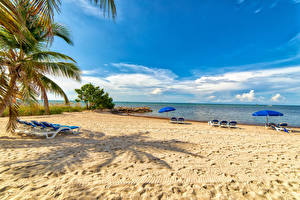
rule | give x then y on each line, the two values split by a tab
67	151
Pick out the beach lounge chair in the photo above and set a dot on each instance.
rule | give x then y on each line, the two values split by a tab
27	128
45	129
281	127
180	120
224	124
23	124
214	122
174	120
232	124
57	128
270	125
40	125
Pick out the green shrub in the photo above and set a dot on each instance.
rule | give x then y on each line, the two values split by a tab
38	109
94	97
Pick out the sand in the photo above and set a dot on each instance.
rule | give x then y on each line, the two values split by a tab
125	157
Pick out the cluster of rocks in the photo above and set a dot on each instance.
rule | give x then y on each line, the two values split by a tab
131	109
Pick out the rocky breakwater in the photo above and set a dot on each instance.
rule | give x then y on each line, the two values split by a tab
122	109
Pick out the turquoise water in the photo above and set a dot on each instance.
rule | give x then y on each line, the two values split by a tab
206	112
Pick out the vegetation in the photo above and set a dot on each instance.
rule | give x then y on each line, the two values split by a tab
37	109
94	97
25	66
12	21
26	31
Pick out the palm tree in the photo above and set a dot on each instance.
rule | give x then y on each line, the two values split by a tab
25	64
13	23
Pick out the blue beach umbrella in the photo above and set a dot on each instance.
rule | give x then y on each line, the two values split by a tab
166	109
267	113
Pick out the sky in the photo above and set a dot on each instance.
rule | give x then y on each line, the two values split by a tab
193	51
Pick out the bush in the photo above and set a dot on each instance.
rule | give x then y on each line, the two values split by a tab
94	97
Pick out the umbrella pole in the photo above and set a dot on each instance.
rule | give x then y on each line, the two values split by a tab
267	120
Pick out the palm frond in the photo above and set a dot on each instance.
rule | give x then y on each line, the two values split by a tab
45	9
13	22
108	7
49	56
62	32
52	87
68	70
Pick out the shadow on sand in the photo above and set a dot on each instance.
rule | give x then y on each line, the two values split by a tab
69	150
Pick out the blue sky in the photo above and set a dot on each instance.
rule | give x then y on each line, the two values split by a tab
231	51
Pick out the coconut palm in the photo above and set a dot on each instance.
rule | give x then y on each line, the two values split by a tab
40	36
12	21
25	64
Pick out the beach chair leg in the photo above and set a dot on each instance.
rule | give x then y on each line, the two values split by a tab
52	136
77	132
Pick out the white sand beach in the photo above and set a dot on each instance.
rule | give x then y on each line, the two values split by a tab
126	157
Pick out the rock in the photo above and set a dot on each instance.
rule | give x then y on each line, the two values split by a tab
132	109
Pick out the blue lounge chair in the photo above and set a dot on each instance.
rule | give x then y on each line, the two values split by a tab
214	122
232	124
45	129
180	120
173	120
281	127
42	126
27	128
56	128
224	124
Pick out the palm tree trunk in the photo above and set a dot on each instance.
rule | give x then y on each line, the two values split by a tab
46	102
9	94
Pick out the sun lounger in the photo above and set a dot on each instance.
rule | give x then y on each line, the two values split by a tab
174	120
27	128
56	128
214	122
270	125
40	125
224	124
45	129
232	124
281	127
180	120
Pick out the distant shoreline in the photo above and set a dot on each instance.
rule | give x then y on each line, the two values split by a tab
141	102
156	117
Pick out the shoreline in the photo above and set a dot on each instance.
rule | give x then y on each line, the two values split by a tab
156	117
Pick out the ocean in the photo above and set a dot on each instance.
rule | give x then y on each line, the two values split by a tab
205	112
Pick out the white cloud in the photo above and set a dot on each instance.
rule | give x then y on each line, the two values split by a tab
257	10
133	80
89	72
140	83
246	97
277	97
157	72
211	97
88	8
157	91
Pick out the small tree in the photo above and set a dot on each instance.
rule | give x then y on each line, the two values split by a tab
94	97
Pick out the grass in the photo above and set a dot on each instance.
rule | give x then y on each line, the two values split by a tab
37	109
